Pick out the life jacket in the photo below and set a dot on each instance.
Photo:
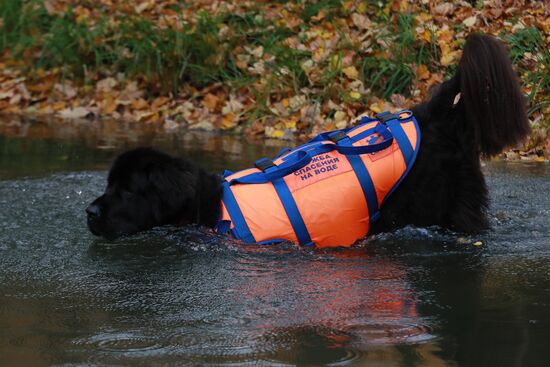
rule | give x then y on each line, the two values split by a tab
325	192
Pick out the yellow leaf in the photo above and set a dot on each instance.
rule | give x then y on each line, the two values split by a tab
290	124
319	54
326	35
422	72
351	72
341	124
228	121
355	95
444	36
376	108
425	36
448	58
57	106
277	134
340	116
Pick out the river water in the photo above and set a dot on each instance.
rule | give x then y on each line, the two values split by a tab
182	296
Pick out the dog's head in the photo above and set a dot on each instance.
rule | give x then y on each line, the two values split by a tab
145	188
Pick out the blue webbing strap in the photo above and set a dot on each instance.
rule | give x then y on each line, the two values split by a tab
402	140
301	161
292	212
365	181
241	229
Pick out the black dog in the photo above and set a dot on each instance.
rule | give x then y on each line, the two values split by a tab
478	112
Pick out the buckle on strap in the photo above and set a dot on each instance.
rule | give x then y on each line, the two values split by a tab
386	116
264	164
337	136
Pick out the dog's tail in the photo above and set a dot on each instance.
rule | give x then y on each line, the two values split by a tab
493	101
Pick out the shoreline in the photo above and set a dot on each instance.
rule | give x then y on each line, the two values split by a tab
108	133
269	71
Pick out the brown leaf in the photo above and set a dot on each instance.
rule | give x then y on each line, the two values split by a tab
74	113
65	89
229	121
106	85
140	104
45	86
211	101
422	72
159	102
443	9
361	21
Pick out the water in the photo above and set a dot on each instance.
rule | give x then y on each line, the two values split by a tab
182	296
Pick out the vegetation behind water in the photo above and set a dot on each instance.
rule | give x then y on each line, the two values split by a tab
271	69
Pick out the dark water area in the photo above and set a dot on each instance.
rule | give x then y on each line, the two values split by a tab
183	296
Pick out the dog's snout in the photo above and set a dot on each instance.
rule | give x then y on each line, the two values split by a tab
93	210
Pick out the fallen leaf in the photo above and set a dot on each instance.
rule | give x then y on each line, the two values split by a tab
361	21
159	102
228	121
211	101
15	99
448	58
57	106
422	72
9	94
297	101
106	85
140	8
470	21
277	134
140	104
351	72
444	9
340	116
65	89
354	94
74	113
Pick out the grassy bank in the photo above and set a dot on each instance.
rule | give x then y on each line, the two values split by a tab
272	69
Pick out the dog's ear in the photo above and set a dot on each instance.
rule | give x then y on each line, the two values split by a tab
175	190
490	91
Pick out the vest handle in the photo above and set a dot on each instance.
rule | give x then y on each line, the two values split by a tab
300	158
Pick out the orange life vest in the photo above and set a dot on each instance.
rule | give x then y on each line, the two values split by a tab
325	192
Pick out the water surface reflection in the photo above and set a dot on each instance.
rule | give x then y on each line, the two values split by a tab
184	296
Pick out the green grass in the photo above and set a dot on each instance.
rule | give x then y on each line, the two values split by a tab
135	47
167	59
536	74
387	76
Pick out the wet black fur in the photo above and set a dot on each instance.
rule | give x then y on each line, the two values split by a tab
445	187
147	188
